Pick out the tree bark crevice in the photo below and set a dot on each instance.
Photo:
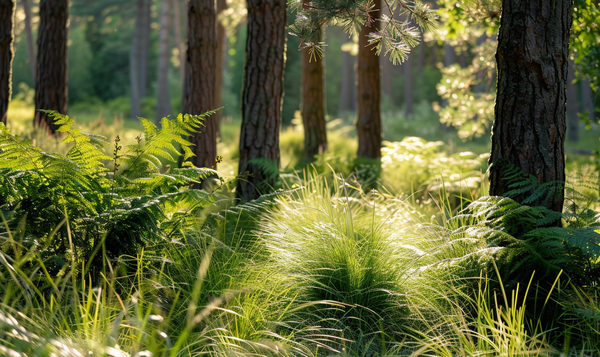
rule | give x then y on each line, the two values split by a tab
262	96
529	129
51	88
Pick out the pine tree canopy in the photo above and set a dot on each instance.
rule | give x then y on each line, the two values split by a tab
397	34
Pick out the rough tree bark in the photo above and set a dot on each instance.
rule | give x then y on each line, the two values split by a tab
313	104
7	15
201	58
529	127
163	100
51	85
368	123
261	96
572	113
29	35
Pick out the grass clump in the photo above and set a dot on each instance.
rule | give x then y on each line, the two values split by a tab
334	249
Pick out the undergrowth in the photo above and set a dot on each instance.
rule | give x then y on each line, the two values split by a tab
121	256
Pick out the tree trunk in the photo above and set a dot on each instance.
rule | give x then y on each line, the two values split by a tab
262	96
220	64
409	87
368	123
422	47
201	58
313	106
179	40
29	35
134	61
587	96
572	112
144	49
387	87
7	16
163	100
449	59
51	86
529	127
348	85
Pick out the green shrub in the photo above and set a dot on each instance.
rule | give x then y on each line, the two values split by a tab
67	206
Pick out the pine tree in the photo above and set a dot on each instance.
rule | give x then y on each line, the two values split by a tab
163	100
313	104
51	89
201	77
368	85
7	15
261	97
529	127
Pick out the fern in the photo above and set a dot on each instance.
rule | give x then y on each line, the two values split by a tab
139	205
144	159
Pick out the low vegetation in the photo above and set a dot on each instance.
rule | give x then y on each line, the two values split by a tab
119	254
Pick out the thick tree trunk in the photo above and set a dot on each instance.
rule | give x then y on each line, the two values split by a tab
7	16
572	112
51	86
368	123
313	105
220	63
179	40
201	76
529	128
163	100
262	96
29	35
348	85
134	61
144	49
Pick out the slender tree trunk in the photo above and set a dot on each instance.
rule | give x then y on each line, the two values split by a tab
134	61
422	47
462	59
368	123
29	35
386	68
572	115
529	128
313	105
179	40
409	87
449	59
387	87
51	88
587	96
348	85
163	100
262	96
220	63
7	16
144	49
201	62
